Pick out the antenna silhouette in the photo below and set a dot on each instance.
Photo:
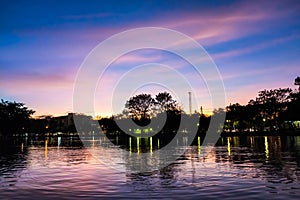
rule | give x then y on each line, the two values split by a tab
190	102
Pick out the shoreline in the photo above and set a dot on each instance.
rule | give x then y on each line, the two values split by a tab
223	134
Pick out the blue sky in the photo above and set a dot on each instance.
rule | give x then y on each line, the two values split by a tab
255	44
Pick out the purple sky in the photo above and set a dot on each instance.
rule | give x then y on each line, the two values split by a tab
255	45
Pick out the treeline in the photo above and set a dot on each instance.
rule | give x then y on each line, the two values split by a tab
272	110
144	109
14	117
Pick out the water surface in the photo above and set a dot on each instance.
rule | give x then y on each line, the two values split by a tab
237	167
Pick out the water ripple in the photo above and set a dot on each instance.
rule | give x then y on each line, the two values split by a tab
68	172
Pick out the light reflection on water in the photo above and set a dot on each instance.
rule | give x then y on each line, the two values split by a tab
237	167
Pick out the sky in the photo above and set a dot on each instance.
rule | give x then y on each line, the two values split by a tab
254	44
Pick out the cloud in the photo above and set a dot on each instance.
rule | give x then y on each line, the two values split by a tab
52	54
233	22
253	48
137	58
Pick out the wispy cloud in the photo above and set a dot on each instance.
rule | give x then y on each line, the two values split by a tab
234	22
137	58
41	65
253	48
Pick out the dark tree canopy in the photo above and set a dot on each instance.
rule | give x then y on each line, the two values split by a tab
273	102
140	106
14	117
297	81
269	109
165	102
276	96
143	106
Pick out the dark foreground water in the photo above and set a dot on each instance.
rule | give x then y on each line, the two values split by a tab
236	168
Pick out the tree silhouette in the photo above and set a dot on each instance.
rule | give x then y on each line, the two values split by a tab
14	117
297	82
293	107
233	116
166	103
265	111
273	102
143	108
140	106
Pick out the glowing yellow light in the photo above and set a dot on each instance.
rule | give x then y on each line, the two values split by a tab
151	145
130	150
137	131
138	144
158	143
228	146
199	146
266	148
46	149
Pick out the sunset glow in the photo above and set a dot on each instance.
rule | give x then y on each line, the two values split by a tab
255	46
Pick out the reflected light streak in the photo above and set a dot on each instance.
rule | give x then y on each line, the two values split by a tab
158	143
151	145
46	149
58	142
130	150
228	146
266	148
199	146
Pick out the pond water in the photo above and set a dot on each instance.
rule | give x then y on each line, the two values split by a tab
250	167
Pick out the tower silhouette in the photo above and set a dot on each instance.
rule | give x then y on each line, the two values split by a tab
190	102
